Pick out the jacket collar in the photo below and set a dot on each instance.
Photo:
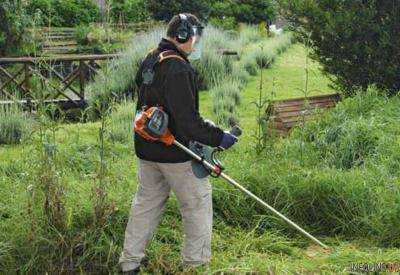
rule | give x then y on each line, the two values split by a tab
165	45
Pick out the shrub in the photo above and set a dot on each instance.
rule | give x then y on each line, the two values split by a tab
213	67
13	125
13	27
64	13
81	34
251	12
357	42
164	10
129	10
227	23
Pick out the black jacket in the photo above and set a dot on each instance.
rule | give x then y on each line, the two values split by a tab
174	87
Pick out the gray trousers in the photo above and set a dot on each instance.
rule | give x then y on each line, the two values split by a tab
194	196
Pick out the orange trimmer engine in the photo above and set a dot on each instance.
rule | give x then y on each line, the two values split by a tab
151	123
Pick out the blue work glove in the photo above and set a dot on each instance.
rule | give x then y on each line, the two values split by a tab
228	140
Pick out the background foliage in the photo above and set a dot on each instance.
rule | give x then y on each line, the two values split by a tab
165	9
64	13
14	22
358	42
224	12
129	10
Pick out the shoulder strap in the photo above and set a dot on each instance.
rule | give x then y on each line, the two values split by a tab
167	55
149	70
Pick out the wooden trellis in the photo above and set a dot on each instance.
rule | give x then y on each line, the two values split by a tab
16	75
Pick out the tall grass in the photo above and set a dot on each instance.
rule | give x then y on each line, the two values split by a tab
347	183
116	80
120	73
14	125
226	96
121	122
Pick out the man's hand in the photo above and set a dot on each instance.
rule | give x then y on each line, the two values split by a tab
228	140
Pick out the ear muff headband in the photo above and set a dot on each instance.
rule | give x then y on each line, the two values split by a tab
183	31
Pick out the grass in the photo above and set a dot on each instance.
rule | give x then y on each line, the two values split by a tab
259	54
246	237
14	125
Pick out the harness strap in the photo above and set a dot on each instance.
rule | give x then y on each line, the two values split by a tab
167	55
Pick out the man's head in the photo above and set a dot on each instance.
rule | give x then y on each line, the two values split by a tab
185	31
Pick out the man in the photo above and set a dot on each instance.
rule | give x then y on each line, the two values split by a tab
167	79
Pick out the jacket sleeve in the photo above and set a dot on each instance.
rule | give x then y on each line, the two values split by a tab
180	101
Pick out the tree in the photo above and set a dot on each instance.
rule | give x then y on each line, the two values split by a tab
164	10
357	42
64	13
245	11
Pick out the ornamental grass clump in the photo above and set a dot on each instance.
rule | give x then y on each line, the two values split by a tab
116	80
14	125
121	123
226	96
213	67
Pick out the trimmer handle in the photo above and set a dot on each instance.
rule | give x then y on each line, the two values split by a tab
236	131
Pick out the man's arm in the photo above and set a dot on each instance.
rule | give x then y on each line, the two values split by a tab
180	101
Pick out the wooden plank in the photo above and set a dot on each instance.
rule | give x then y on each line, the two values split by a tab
304	102
279	109
310	98
11	60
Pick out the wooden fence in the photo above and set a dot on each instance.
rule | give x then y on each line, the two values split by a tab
22	78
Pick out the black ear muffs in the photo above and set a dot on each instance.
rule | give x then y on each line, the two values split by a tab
183	31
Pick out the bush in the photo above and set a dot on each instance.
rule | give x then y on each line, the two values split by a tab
129	11
13	125
64	13
357	42
251	12
82	35
164	10
227	23
13	27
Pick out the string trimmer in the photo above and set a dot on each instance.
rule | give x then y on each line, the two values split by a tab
151	123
